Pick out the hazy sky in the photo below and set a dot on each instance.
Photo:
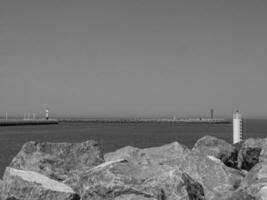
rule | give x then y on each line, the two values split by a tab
133	57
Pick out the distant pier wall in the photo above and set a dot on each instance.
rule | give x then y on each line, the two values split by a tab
27	122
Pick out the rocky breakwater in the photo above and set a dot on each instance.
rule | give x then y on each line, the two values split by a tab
212	170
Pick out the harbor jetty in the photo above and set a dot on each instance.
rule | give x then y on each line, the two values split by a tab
28	120
20	122
149	120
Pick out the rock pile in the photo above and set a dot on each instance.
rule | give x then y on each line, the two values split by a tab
212	170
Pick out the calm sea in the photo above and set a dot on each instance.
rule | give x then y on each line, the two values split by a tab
112	136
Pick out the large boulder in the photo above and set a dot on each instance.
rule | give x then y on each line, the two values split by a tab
255	183
171	171
216	178
252	151
122	179
58	160
29	185
133	197
212	146
169	154
1	187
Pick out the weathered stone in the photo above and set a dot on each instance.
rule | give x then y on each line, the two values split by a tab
203	164
168	172
169	154
58	160
194	189
212	146
252	151
239	195
255	183
1	188
133	197
216	178
120	179
29	185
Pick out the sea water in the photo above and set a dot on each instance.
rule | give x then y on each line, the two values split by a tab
112	136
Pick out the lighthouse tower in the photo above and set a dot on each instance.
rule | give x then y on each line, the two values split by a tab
237	127
47	114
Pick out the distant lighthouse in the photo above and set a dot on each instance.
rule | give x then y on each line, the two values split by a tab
237	127
47	114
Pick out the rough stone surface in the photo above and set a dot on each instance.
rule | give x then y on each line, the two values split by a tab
195	190
212	146
169	154
58	160
117	179
29	185
1	188
239	195
252	151
216	178
255	183
212	170
143	172
133	197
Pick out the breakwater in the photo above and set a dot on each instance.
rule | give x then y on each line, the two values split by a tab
17	122
212	170
163	120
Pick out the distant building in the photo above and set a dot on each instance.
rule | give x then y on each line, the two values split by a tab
211	113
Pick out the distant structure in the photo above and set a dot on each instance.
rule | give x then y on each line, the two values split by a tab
47	114
237	127
211	113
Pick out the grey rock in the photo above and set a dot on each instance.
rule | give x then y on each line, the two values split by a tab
58	160
194	189
29	185
216	178
252	151
168	172
255	183
119	178
218	148
133	197
169	154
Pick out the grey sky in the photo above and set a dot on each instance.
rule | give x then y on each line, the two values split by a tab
133	57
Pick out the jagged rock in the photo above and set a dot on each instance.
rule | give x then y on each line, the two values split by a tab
167	172
239	195
212	146
252	151
58	160
216	178
29	185
169	154
203	164
133	197
1	188
119	179
255	183
194	189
